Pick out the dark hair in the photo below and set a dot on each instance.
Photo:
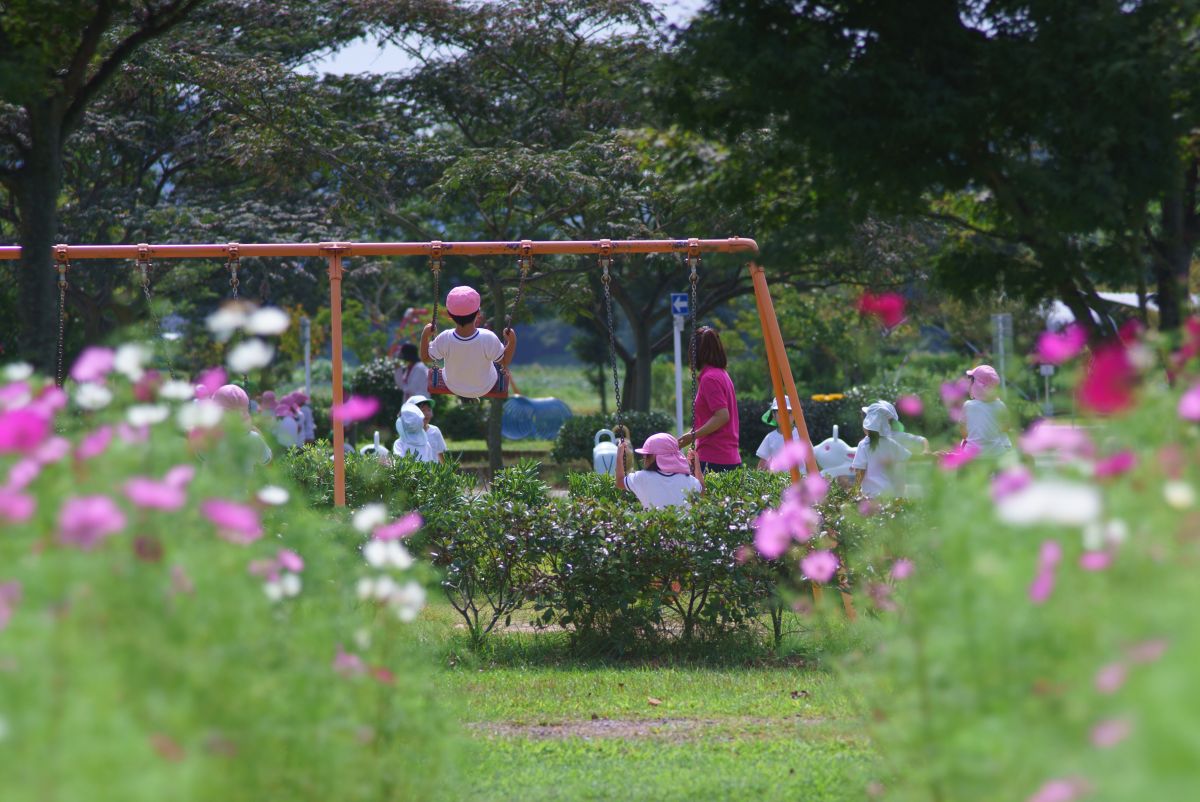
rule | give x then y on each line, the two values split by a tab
873	438
463	320
408	352
709	350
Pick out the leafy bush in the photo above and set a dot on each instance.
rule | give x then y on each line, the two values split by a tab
142	660
576	438
596	486
521	484
459	420
377	379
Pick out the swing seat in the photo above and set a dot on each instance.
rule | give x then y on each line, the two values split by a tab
437	385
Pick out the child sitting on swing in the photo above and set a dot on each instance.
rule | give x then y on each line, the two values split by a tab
475	361
667	480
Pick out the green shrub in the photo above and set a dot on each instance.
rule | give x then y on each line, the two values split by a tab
521	484
377	379
576	438
596	486
460	420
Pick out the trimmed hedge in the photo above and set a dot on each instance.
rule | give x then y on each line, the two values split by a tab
576	438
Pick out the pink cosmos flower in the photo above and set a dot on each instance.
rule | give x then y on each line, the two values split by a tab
10	595
15	506
208	382
1172	460
888	307
910	405
180	476
85	521
1050	554
132	434
355	408
22	430
1066	441
1147	651
954	395
793	454
93	364
237	523
902	569
1056	348
1116	464
1111	732
1042	586
1095	560
772	536
52	450
1009	481
348	664
290	561
1067	790
399	529
50	400
15	394
1107	387
154	495
1189	404
868	508
819	566
958	456
1111	677
94	443
22	473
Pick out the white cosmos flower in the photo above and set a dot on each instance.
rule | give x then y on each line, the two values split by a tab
387	554
362	637
273	495
385	587
1051	501
146	414
1179	494
203	414
176	390
274	591
365	588
228	319
369	517
291	584
130	359
268	322
250	355
1098	536
17	371
91	395
408	600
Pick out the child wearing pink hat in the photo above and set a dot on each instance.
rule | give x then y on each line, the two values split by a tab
985	418
667	480
475	360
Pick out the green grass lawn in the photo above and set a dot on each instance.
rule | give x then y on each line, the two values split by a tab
546	726
567	382
455	446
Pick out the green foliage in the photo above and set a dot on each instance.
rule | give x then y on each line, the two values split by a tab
597	486
461	420
576	438
154	666
520	484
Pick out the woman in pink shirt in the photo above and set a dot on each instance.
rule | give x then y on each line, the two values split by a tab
715	421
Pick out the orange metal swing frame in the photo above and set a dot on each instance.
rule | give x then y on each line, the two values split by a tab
335	254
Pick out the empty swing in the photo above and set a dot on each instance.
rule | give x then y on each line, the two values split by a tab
437	382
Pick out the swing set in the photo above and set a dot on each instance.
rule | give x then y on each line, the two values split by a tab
335	253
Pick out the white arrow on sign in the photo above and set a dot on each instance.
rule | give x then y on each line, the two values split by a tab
679	303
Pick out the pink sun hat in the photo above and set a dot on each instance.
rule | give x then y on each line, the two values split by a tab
667	456
462	301
985	377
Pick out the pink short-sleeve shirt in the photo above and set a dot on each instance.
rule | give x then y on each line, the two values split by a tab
714	390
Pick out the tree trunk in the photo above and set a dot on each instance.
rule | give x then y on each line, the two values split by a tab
37	205
643	357
496	412
1172	263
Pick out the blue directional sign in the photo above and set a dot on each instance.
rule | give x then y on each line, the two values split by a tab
679	303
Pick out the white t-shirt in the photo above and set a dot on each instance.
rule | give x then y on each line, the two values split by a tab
469	362
266	449
985	426
287	432
308	427
656	490
884	466
437	443
412	379
773	442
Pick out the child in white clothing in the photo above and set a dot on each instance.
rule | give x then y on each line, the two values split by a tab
437	443
666	481
774	441
985	418
473	358
879	459
411	439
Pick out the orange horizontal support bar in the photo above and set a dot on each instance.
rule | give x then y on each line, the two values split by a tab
351	249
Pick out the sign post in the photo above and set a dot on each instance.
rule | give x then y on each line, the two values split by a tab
679	311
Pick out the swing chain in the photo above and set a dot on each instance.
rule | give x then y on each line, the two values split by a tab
232	262
693	279
606	281
144	265
525	265
435	264
63	263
